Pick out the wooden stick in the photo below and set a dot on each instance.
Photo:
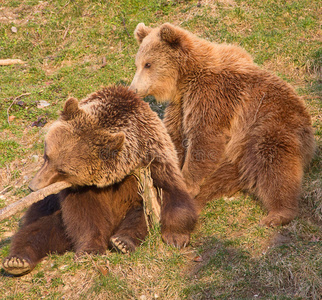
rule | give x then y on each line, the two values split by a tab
126	29
150	196
147	191
32	198
7	62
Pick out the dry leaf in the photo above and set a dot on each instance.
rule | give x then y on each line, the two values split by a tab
41	121
315	239
103	270
11	118
198	259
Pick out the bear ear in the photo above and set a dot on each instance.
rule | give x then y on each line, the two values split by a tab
117	141
141	31
109	144
175	37
71	109
169	34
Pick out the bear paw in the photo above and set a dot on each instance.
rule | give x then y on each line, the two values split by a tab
279	218
16	266
122	244
176	239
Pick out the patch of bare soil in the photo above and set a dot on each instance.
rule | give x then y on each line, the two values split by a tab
22	14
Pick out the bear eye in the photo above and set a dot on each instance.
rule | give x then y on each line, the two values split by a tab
147	65
61	172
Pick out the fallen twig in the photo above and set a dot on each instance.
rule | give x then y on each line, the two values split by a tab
126	28
65	33
104	62
14	100
5	189
32	198
7	62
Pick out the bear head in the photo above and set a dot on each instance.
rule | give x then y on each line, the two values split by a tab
81	151
159	60
172	61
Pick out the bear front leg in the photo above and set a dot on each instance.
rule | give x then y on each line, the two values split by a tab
178	211
33	242
131	232
173	122
201	160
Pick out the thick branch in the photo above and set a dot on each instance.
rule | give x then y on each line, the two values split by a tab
150	195
32	198
7	62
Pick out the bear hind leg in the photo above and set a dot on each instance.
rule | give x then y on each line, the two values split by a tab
33	242
273	169
131	232
280	195
17	266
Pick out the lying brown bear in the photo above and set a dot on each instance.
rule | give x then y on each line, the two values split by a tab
95	145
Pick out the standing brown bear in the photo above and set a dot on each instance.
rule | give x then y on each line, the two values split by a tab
234	125
95	145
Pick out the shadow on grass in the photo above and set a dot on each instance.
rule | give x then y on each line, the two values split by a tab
286	271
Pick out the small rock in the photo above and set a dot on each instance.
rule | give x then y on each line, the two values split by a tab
14	29
35	158
42	104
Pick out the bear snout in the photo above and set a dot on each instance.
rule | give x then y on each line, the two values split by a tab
32	186
133	88
44	177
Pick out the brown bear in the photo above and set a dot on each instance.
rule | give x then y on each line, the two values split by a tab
96	145
234	125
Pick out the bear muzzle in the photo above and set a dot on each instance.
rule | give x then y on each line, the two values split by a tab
43	178
133	88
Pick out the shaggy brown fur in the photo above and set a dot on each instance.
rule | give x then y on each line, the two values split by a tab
234	125
94	146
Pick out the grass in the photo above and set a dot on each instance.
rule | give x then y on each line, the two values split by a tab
65	44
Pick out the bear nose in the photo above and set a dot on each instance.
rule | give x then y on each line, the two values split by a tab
31	188
132	88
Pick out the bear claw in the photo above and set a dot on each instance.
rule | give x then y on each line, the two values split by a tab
16	266
176	240
274	219
120	245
